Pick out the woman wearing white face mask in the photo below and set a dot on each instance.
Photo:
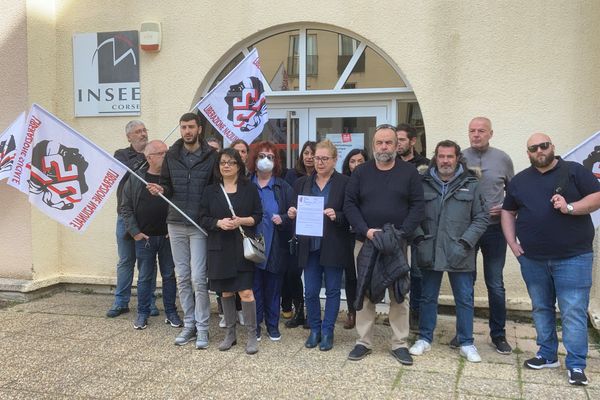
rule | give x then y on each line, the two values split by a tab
276	196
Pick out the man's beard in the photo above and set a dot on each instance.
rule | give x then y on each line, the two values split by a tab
193	140
544	162
405	153
383	156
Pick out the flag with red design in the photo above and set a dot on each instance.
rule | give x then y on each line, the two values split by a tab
8	145
237	106
67	176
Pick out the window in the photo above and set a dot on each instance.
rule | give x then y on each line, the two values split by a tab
312	58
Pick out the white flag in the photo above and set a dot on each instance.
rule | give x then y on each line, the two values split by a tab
8	145
237	106
19	174
69	178
588	154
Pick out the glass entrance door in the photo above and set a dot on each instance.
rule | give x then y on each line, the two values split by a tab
347	128
288	141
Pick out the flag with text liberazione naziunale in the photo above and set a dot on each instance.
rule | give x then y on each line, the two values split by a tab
237	106
68	177
8	145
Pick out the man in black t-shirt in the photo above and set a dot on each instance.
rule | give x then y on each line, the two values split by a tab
383	190
145	218
546	220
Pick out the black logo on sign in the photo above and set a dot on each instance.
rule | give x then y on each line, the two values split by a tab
57	174
247	104
118	55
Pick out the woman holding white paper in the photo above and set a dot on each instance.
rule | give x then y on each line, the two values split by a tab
321	261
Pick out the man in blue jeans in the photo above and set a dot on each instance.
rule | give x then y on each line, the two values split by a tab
547	224
455	218
133	157
496	169
145	217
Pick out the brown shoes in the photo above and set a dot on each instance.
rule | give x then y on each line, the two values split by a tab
350	321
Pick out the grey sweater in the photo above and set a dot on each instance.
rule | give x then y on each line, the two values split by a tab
496	170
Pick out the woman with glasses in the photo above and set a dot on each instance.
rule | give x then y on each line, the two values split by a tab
292	291
326	256
354	158
228	271
276	196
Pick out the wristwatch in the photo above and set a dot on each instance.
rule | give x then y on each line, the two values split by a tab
570	209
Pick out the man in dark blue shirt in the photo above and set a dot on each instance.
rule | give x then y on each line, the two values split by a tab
547	207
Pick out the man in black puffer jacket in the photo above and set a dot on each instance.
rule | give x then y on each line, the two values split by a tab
186	171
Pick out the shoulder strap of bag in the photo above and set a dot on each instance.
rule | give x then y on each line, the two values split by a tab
563	178
231	208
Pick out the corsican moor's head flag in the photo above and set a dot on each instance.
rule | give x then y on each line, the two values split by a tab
237	106
588	154
67	176
8	145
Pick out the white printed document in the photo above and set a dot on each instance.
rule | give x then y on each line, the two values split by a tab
309	220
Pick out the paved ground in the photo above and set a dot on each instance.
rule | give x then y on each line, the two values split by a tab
63	347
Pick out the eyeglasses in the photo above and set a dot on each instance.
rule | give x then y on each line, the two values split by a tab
138	131
230	163
534	147
385	126
323	159
269	157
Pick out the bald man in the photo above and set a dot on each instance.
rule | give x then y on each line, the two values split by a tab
496	171
145	218
547	224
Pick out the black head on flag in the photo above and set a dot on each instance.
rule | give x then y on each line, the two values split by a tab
8	149
247	103
592	162
57	174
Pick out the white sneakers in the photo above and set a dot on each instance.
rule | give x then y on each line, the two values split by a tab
470	353
421	346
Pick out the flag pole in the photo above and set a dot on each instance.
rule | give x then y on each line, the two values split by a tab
133	173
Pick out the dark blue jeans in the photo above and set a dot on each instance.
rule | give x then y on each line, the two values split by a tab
125	265
267	293
147	251
313	276
569	281
462	289
493	249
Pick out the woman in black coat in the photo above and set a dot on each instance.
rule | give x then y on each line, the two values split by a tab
291	291
228	271
326	256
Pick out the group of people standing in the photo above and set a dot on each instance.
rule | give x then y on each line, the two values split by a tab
395	222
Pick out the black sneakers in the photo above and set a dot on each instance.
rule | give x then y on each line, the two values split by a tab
454	343
502	345
403	356
141	321
577	377
539	362
358	353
